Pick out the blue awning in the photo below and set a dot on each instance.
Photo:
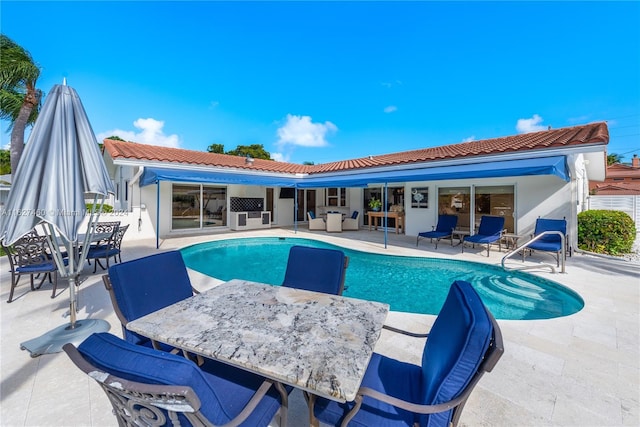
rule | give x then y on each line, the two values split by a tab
555	165
153	175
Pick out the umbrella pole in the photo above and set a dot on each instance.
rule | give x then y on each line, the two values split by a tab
75	331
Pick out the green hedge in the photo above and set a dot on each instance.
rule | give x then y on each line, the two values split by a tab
105	208
606	232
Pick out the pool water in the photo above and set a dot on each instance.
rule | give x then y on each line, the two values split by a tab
407	284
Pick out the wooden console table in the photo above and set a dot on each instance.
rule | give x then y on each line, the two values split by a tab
398	216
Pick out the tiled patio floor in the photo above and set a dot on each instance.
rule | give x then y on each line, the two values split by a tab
579	370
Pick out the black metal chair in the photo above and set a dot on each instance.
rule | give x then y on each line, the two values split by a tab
29	255
112	249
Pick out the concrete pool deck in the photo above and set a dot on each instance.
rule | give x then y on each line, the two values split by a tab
579	370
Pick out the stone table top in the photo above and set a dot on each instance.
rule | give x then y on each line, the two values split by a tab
317	342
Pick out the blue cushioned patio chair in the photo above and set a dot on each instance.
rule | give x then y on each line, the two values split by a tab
152	388
490	231
145	285
29	255
551	241
111	249
464	343
316	269
443	229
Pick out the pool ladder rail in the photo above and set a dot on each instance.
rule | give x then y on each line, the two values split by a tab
526	244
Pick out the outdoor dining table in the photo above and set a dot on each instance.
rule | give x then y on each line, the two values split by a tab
319	343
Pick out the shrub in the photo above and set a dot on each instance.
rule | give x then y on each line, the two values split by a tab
105	208
606	232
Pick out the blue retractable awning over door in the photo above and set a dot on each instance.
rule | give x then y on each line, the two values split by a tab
555	165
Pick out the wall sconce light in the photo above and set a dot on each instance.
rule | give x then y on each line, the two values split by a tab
248	160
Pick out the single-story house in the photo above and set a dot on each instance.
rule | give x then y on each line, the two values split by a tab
166	191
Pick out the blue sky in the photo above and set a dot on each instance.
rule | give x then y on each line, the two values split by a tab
326	81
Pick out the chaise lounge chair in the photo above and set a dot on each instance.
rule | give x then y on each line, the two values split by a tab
147	387
444	229
464	343
490	231
551	241
316	269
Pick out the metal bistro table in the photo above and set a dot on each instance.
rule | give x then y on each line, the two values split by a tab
316	342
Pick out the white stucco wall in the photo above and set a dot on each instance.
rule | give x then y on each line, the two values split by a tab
535	196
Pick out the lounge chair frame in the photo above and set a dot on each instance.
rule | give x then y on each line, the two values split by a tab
442	230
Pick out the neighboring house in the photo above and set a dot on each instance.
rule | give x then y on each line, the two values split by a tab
5	186
520	177
620	180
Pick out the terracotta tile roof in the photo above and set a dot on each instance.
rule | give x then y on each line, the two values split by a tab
616	188
565	137
135	151
593	133
622	171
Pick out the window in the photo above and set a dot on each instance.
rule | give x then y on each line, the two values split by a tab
456	201
336	197
198	206
496	201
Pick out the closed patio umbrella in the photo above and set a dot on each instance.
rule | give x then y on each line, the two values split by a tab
60	167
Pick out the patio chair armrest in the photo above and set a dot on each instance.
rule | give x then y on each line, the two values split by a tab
409	406
255	400
403	332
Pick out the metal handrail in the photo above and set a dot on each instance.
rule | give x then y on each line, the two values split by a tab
527	243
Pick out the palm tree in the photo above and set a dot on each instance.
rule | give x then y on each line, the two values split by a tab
613	158
19	98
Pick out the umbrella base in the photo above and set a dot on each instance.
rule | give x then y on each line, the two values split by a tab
52	341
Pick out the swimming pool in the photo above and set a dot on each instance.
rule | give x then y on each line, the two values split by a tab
408	284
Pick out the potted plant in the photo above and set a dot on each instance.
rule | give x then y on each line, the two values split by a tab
375	204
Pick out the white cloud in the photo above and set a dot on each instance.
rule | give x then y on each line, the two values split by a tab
471	138
390	109
150	133
279	157
301	131
530	125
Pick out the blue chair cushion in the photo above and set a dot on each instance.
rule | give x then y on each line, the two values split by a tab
444	227
392	377
315	269
223	390
45	267
148	284
541	245
457	342
490	225
354	215
479	238
435	234
543	224
312	215
102	252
